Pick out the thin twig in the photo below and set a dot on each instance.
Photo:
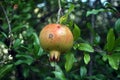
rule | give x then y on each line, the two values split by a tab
10	36
75	70
6	18
59	11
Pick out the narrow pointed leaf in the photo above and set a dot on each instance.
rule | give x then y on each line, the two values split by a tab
76	32
110	40
117	25
5	70
59	73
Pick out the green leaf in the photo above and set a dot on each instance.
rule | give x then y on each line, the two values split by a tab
96	39
85	47
117	49
49	78
94	12
24	56
19	27
89	26
114	60
34	69
76	32
5	70
117	25
117	42
70	59
27	61
36	39
17	43
4	34
86	58
75	46
105	57
24	59
26	9
110	40
111	7
40	52
28	16
83	71
26	72
64	18
36	44
58	73
1	43
70	9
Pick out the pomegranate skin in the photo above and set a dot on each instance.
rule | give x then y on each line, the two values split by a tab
56	39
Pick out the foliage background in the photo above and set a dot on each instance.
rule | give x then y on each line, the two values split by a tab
96	29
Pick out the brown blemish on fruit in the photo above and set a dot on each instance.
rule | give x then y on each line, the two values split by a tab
58	26
51	36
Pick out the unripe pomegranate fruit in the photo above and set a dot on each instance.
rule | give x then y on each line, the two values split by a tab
56	39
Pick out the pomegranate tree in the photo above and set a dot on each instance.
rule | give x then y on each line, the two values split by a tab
56	39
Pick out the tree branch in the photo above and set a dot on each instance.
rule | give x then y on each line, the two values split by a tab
8	21
59	11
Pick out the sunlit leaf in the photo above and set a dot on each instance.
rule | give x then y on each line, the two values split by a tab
105	57
85	47
71	8
70	59
110	40
114	61
86	58
76	32
64	18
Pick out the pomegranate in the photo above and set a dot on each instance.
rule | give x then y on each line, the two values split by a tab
56	39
